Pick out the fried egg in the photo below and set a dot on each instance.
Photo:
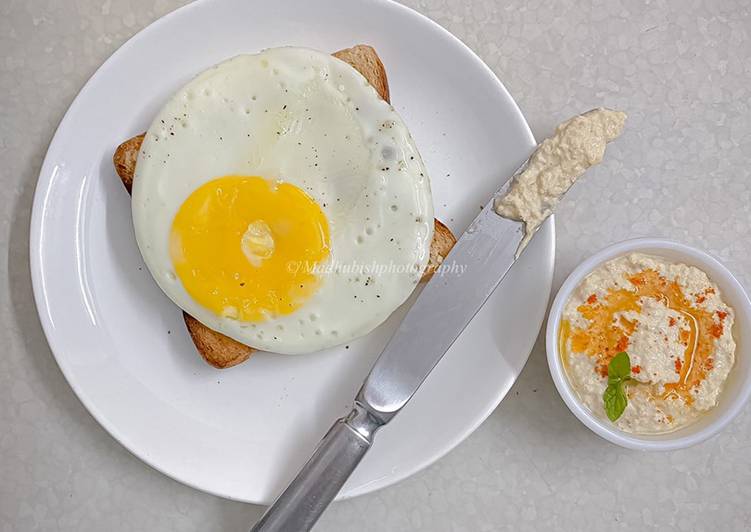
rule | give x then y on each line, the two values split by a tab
281	202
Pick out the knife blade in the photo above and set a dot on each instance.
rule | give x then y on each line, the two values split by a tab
467	277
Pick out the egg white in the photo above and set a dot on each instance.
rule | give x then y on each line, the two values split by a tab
303	117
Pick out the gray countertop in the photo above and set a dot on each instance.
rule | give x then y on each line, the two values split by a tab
683	72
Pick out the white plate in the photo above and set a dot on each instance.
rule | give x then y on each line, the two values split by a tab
243	432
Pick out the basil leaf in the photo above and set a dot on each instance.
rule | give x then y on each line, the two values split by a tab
615	400
619	368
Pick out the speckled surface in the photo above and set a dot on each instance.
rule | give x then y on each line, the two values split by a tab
683	72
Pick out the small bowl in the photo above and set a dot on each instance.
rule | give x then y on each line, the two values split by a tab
737	387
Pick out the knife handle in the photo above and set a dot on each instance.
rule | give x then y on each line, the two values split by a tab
315	486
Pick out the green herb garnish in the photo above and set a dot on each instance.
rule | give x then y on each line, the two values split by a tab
619	373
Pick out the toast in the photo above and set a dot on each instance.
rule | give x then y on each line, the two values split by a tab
222	351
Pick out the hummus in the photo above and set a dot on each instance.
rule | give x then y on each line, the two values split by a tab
554	167
671	320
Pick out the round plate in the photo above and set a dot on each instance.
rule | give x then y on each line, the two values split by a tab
242	433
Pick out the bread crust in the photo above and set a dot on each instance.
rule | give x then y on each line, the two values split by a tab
125	158
217	349
222	351
365	60
443	241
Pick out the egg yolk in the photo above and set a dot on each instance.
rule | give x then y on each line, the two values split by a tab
247	248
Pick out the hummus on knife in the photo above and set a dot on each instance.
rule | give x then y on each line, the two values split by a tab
673	323
554	167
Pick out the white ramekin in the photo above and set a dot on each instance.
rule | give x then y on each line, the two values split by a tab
738	385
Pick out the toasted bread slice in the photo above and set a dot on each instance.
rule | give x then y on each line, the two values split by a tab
222	351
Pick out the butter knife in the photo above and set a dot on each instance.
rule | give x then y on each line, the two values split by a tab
487	250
